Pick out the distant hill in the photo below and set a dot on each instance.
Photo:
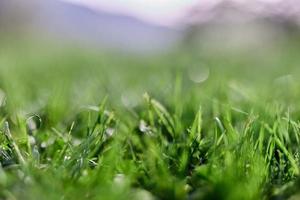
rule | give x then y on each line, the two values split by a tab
65	21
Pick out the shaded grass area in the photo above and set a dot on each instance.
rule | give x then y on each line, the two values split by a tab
80	124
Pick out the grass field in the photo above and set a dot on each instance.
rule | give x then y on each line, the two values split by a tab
81	124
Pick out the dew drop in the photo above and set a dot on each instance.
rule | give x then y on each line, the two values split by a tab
198	74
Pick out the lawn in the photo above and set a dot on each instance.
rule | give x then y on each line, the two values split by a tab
187	124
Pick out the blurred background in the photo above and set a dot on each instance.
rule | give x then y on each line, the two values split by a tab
147	27
56	54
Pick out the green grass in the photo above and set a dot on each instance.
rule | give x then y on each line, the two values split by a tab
81	124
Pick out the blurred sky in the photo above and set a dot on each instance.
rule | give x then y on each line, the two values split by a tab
162	12
168	12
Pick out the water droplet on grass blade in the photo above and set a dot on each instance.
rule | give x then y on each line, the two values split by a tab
43	145
33	123
67	158
143	126
76	142
143	194
109	132
31	140
119	179
198	74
